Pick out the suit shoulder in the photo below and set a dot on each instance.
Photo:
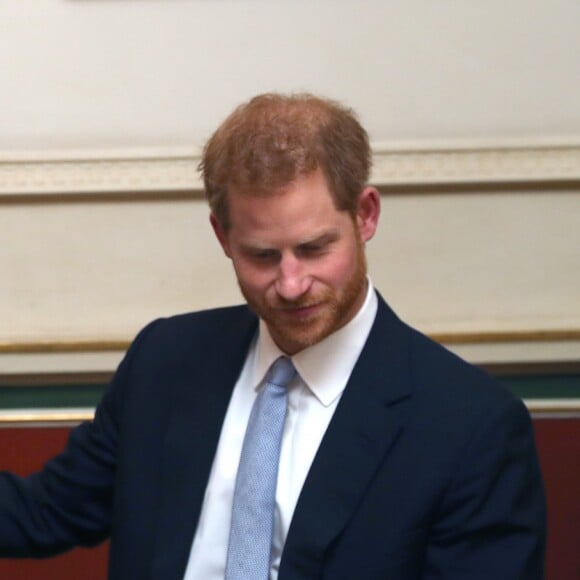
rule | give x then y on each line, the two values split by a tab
426	363
216	316
437	376
197	327
440	375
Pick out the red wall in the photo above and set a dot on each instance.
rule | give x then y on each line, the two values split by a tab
558	443
24	450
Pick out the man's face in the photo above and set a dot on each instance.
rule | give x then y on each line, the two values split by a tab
299	261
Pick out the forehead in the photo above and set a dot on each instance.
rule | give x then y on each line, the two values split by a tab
304	208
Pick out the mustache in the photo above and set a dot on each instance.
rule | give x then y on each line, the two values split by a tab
301	302
281	304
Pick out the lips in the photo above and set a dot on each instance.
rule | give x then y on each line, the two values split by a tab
300	311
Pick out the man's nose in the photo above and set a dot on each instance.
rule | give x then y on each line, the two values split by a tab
292	281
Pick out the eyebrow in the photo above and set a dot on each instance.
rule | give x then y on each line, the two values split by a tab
321	240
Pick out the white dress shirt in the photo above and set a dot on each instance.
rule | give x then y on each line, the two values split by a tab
322	373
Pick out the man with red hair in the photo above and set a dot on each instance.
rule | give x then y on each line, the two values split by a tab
391	457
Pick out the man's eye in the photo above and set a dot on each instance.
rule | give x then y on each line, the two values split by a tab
264	255
313	249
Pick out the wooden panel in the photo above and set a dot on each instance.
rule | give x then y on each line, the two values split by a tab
25	449
558	443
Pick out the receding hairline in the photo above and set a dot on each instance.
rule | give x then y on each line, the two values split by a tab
271	140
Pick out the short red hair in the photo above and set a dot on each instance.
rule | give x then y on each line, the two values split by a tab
273	139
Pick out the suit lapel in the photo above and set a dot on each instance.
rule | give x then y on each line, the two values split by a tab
201	396
366	424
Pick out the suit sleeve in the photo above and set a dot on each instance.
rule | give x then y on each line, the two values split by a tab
492	520
69	502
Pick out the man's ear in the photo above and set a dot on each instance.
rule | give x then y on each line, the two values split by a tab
367	212
220	234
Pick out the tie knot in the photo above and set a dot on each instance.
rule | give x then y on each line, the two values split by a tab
281	372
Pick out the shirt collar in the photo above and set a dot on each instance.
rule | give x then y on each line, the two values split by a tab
326	366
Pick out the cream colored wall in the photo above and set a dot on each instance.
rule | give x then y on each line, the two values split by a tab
113	96
102	73
449	263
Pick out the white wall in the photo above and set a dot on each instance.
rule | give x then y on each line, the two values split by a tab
102	96
101	73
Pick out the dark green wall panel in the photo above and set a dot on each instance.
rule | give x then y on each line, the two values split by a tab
555	386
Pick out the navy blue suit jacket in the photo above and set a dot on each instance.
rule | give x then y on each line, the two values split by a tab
427	470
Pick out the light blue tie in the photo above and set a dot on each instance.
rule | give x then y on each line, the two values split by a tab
254	496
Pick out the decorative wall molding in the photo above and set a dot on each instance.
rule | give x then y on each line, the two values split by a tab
59	346
99	172
555	407
45	417
28	418
524	352
173	170
449	338
477	164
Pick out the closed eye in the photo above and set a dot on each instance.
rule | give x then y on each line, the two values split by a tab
317	247
264	255
313	249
